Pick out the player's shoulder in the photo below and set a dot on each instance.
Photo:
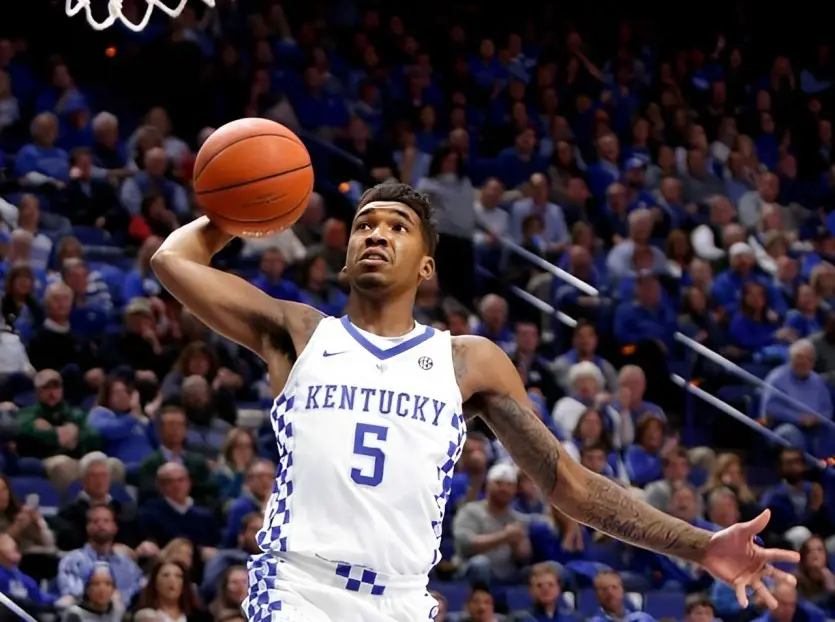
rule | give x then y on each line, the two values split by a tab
472	356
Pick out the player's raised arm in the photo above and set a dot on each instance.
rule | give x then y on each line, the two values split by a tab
488	377
224	302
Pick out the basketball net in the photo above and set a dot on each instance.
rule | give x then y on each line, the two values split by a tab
114	10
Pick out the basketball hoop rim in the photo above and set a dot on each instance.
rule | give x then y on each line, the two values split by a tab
114	10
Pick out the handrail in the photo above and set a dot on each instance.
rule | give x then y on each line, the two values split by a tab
533	300
547	266
748	376
741	417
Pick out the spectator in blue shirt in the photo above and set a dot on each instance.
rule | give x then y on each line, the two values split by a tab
755	327
515	165
643	459
790	608
546	594
613	605
493	323
798	380
647	318
75	567
727	287
258	485
606	170
41	163
270	279
18	586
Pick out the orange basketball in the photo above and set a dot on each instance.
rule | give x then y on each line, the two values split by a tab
253	177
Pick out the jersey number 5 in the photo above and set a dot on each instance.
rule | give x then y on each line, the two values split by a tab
375	434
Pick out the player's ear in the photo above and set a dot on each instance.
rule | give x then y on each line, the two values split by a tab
427	268
344	270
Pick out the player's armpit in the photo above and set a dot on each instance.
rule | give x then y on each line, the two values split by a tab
224	302
488	378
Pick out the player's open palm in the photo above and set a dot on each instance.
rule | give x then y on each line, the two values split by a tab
734	557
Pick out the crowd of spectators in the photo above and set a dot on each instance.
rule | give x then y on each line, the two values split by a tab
691	186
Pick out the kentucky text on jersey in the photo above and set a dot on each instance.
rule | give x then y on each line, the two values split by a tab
366	399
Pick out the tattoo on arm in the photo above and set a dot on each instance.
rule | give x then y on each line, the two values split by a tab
578	493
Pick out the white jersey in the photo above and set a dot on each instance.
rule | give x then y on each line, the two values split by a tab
368	439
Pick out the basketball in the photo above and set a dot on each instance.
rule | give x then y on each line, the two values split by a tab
253	177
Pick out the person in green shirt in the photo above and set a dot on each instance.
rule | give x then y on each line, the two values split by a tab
55	431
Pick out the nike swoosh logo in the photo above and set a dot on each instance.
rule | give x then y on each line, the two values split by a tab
327	354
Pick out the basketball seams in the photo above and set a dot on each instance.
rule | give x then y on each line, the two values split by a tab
240	184
300	206
293	139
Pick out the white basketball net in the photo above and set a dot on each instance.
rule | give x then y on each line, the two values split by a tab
114	10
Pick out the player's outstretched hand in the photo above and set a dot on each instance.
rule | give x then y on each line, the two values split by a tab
734	557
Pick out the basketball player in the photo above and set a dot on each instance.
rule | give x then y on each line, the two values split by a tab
369	424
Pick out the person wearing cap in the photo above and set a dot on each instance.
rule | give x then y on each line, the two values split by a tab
490	536
634	178
54	431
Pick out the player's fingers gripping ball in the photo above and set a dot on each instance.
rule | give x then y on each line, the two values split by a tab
253	177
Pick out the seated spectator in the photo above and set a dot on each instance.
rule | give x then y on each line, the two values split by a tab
584	342
586	381
167	593
40	164
75	567
480	607
260	478
619	260
22	522
54	345
727	472
21	588
530	363
153	180
798	508
137	344
271	280
755	329
798	380
790	608
171	431
92	201
174	513
245	546
86	293
529	498
590	431
676	470
154	219
699	608
71	521
555	236
493	325
815	580
54	431
231	591
722	507
19	301
124	429
696	320
14	362
807	317
100	600
545	590
630	404
236	456
200	359
316	291
491	537
208	424
608	587
643	459
648	320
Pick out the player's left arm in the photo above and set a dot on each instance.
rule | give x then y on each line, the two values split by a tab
494	389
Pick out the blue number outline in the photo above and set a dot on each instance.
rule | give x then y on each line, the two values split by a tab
361	449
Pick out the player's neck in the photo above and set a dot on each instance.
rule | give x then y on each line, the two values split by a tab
385	318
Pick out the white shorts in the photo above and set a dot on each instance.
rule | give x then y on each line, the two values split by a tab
301	589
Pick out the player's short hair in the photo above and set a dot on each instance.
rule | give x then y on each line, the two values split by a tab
416	201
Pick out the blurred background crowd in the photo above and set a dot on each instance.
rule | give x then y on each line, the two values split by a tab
681	165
